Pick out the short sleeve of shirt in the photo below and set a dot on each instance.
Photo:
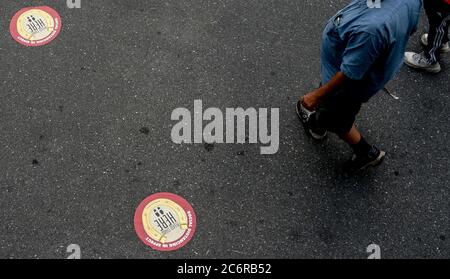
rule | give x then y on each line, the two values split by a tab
361	52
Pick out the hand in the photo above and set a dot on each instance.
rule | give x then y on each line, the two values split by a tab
309	101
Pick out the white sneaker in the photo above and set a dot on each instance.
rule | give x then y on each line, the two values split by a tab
444	48
418	61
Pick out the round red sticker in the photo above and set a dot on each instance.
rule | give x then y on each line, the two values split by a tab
165	222
35	26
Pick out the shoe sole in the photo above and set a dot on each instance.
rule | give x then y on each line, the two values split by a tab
317	136
433	71
374	163
309	131
445	50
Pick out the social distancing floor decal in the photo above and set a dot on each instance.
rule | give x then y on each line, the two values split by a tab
35	26
165	222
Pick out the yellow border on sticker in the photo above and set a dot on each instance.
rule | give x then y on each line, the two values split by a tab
150	230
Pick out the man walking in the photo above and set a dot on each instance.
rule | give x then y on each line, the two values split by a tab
362	49
436	42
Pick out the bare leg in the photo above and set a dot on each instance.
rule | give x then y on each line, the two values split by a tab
353	137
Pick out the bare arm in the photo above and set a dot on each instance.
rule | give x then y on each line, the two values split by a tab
312	99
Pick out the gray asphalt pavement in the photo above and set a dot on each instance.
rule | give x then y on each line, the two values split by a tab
86	122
